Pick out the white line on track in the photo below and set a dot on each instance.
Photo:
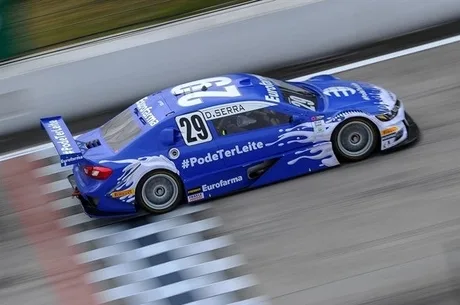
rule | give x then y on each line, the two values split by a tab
213	266
131	270
374	60
113	235
253	301
230	285
355	65
206	286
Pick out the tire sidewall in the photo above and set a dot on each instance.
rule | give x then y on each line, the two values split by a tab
140	201
345	158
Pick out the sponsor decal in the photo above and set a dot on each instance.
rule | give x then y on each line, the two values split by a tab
318	126
273	95
318	117
361	91
70	160
195	197
145	113
222	154
391	135
174	153
389	131
388	143
61	138
302	103
339	91
123	193
194	190
221	111
221	183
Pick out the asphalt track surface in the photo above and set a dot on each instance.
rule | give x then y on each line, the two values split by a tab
387	225
382	231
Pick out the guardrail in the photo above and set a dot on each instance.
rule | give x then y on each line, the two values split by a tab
264	35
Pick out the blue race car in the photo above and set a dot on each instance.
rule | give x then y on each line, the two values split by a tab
219	135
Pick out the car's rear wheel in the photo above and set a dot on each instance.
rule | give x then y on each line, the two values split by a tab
159	192
355	140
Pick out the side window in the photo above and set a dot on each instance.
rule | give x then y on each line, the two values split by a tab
251	120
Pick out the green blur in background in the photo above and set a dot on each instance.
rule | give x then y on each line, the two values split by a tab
31	26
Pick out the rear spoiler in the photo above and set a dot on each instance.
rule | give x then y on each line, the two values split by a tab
62	139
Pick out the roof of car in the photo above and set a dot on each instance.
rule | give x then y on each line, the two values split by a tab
250	87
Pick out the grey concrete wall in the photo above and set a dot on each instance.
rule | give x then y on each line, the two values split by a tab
268	34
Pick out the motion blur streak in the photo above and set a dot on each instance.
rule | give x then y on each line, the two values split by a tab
347	67
40	224
382	231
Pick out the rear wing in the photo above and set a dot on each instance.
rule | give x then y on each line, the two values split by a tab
62	139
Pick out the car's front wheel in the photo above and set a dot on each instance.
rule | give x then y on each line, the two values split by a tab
355	140
159	192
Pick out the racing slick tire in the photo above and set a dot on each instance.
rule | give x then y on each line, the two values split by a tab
159	192
355	140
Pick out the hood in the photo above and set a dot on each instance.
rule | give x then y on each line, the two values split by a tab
338	94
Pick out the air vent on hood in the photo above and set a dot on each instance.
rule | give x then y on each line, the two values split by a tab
93	143
191	90
245	82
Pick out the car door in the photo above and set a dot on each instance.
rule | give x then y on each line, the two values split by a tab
196	147
252	139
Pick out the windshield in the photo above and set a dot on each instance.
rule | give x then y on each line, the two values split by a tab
120	130
297	96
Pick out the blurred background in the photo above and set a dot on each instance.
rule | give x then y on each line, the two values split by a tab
31	26
384	231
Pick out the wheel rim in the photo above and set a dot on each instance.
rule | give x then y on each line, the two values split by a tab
160	192
355	139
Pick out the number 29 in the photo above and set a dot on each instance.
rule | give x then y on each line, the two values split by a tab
193	94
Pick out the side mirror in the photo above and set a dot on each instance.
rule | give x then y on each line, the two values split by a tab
296	119
167	136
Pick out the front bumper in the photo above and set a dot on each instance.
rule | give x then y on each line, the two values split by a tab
90	206
413	134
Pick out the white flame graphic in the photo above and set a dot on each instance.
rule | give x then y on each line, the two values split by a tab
137	168
326	155
298	134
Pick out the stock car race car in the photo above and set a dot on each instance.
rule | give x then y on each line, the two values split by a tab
219	135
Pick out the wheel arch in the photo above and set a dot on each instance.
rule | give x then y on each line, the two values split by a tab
359	117
159	170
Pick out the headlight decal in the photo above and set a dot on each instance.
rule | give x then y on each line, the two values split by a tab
390	115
